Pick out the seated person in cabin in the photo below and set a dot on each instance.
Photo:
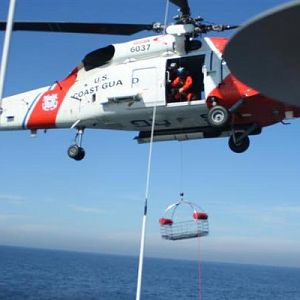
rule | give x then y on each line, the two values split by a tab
182	86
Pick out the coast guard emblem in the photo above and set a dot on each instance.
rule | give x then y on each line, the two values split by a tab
50	102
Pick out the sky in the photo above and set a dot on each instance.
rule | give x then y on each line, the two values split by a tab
50	201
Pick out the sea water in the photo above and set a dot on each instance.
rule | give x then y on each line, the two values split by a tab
47	274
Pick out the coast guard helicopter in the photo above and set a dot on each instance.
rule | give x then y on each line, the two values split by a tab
117	87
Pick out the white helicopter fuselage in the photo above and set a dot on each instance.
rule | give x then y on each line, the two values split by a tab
121	93
117	87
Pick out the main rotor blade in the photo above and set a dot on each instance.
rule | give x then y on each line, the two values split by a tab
265	53
99	28
184	6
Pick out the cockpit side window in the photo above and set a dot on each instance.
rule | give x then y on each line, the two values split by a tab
98	57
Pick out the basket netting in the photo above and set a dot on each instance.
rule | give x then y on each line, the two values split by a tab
184	230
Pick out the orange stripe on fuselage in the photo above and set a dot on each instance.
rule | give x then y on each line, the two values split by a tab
219	43
47	106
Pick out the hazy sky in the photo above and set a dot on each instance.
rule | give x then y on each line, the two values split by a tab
48	200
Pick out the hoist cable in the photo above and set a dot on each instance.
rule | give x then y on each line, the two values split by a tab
6	45
199	270
181	168
142	246
166	15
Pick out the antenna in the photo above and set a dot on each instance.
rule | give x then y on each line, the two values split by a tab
142	245
6	44
166	15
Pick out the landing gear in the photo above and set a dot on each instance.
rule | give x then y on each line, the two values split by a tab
75	151
239	142
218	116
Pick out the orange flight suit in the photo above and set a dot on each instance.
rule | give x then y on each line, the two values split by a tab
183	84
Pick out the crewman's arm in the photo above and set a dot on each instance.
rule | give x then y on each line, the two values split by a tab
188	84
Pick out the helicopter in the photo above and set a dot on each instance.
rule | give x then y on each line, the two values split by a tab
118	86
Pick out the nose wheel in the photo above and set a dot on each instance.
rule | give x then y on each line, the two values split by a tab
75	151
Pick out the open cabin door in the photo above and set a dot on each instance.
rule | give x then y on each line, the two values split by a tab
193	66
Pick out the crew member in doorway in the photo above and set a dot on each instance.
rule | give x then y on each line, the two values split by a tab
182	86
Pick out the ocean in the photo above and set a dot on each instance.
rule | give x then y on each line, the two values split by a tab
27	274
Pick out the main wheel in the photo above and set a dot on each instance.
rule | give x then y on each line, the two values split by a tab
76	152
241	146
80	155
218	116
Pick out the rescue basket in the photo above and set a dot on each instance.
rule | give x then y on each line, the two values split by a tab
193	225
